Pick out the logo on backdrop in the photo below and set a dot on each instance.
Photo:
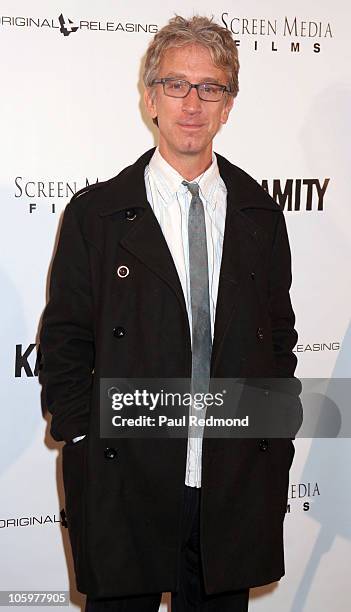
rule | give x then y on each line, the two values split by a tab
27	361
298	194
66	25
317	347
34	520
302	495
35	193
262	34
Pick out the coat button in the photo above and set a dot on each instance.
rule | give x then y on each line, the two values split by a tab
122	271
130	214
263	444
110	453
252	275
259	333
119	332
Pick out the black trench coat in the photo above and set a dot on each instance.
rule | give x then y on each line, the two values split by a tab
124	504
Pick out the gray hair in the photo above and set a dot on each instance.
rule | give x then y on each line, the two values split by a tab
196	30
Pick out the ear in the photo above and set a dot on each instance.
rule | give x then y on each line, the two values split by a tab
150	102
226	109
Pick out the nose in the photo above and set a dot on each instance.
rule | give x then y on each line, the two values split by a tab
192	102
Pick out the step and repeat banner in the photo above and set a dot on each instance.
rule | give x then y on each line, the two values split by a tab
72	114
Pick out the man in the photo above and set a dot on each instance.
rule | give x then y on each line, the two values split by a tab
179	267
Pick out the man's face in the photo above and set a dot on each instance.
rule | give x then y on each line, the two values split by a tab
188	125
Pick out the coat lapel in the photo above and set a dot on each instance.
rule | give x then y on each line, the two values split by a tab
240	252
241	245
147	242
144	238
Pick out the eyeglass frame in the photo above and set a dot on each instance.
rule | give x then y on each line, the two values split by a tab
163	81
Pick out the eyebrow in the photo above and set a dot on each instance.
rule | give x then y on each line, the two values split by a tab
178	75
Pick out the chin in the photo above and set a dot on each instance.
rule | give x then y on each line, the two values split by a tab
191	147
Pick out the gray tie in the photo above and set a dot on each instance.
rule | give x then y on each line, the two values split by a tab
199	293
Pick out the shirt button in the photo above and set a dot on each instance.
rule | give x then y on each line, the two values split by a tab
119	332
122	271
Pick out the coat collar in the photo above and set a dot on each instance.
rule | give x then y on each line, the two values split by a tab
127	189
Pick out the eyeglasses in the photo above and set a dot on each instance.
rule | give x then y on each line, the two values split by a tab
177	88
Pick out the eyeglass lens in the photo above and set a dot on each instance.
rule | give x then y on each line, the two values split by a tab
180	89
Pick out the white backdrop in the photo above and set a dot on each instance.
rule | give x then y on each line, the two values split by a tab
71	111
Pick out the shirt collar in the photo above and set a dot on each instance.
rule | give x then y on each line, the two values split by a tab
168	181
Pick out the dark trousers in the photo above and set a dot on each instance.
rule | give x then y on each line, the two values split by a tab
190	596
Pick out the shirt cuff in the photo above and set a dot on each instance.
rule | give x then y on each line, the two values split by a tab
74	440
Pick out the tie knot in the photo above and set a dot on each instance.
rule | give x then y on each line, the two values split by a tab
193	187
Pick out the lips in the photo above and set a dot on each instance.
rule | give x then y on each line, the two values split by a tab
190	126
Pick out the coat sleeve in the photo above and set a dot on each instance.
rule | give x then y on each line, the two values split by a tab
67	335
284	335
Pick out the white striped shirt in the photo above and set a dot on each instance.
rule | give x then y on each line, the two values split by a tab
170	201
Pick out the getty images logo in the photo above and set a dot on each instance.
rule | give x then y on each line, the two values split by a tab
66	26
